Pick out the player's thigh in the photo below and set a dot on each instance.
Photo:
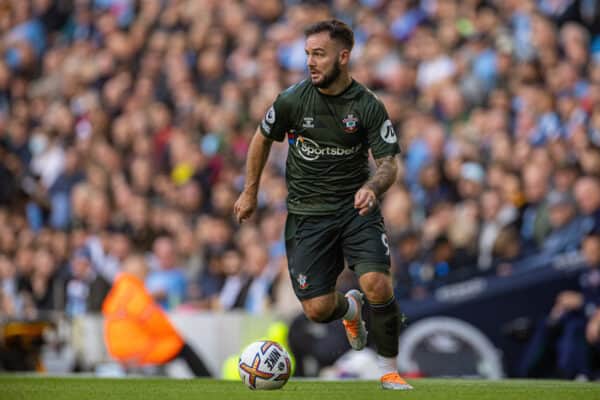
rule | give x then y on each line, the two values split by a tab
365	243
314	254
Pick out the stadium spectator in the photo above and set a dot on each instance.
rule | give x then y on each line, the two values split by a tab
9	166
406	266
587	194
166	281
566	228
507	250
592	334
8	290
84	289
534	220
494	216
431	189
262	274
44	285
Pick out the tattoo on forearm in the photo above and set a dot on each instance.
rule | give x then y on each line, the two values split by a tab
384	177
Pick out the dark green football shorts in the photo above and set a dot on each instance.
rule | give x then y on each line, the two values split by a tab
317	245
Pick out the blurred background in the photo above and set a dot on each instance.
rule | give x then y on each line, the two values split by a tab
124	126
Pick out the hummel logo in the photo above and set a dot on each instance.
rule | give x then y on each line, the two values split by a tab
308	122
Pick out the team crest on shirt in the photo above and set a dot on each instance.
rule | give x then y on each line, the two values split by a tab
302	283
350	123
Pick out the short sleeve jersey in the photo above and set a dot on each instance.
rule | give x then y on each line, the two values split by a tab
329	138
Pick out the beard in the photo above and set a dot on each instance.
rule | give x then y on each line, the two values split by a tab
329	78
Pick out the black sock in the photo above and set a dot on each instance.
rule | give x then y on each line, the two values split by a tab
193	361
341	306
385	327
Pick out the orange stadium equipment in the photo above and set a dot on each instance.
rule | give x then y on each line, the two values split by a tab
136	331
21	343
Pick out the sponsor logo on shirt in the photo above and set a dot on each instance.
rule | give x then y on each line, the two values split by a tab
266	127
268	120
387	132
309	122
310	150
270	116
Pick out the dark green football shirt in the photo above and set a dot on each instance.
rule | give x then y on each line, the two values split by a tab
329	138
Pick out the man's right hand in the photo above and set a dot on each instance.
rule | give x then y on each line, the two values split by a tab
593	329
570	300
244	206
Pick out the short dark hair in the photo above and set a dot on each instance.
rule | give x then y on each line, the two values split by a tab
338	30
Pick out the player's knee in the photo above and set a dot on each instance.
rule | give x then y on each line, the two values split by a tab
376	286
318	315
318	311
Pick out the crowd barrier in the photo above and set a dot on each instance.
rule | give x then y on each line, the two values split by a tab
215	336
486	320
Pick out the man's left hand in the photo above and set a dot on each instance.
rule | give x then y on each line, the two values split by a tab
365	200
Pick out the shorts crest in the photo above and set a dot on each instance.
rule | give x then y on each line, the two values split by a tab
302	283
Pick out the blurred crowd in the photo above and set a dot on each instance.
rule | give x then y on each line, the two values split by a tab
124	127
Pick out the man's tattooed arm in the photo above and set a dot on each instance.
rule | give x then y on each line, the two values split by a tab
384	177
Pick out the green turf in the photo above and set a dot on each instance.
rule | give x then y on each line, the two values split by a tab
37	388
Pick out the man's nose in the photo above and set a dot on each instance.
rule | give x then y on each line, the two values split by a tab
310	61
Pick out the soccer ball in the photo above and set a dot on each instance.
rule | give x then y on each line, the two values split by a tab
264	365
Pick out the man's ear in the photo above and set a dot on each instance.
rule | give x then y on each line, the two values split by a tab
344	56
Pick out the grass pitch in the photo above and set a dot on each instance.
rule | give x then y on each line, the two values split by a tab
43	388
